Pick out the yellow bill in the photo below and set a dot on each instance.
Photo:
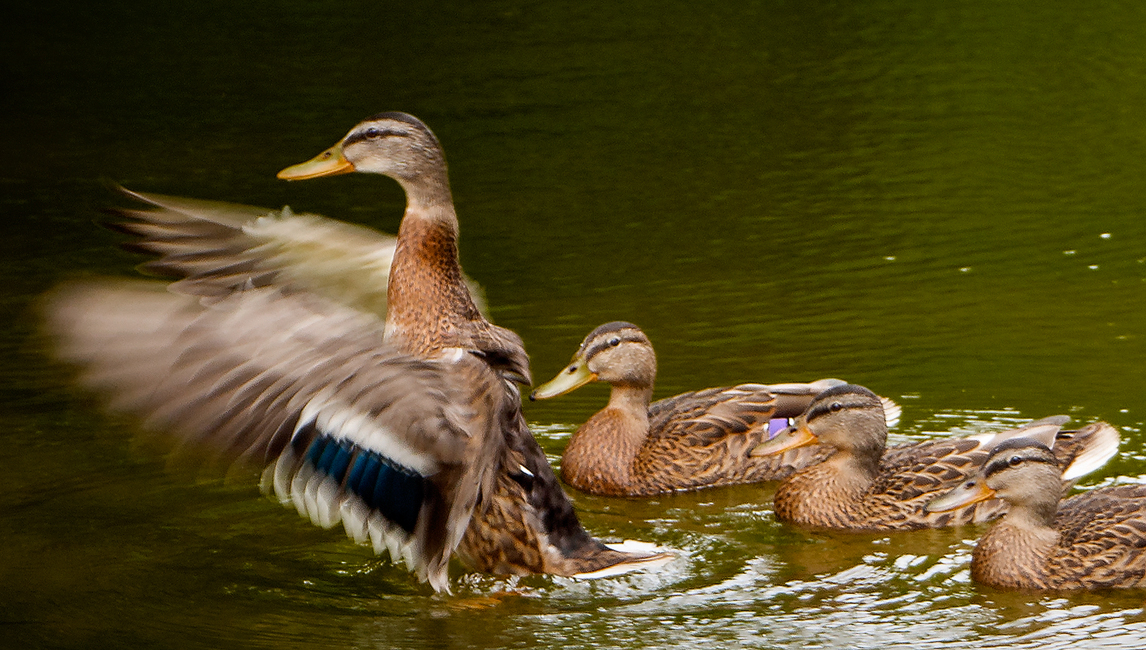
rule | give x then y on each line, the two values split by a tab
971	491
574	376
795	436
328	163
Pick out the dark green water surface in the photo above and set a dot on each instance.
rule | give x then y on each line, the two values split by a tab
942	201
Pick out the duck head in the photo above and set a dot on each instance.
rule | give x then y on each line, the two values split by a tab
849	418
397	145
1022	471
617	353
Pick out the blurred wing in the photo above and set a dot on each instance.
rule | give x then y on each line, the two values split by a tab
215	248
348	429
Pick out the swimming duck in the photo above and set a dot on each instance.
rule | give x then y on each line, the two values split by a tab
690	441
864	486
1093	540
406	428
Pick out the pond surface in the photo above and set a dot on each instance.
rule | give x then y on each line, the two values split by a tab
941	201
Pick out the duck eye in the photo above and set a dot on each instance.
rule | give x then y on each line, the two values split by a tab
1014	460
615	341
373	133
835	406
969	484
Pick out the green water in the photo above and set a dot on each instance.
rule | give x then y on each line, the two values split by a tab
942	201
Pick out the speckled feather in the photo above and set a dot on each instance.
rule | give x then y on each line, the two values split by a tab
839	493
702	439
690	441
1093	540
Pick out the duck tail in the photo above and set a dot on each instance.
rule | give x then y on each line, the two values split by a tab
630	555
1086	450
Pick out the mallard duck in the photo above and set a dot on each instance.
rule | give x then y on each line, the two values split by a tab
408	431
1093	540
863	486
690	441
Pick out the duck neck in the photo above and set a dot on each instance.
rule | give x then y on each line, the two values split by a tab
854	472
427	295
1013	553
600	456
632	400
828	493
429	190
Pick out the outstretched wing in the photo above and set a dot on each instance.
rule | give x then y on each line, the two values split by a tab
214	248
348	429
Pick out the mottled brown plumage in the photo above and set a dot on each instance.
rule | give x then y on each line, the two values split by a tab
407	431
1093	540
686	442
863	486
526	524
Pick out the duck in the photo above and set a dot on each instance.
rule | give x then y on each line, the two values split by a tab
635	447
864	485
404	426
1092	540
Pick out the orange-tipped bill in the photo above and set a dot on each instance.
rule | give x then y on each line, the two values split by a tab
328	163
574	376
797	435
973	490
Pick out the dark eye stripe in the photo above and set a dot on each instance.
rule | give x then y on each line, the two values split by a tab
372	133
1003	461
825	407
607	342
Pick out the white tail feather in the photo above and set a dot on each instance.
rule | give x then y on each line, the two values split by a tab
1101	447
656	556
891	412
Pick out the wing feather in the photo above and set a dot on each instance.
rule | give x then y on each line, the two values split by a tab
348	429
215	248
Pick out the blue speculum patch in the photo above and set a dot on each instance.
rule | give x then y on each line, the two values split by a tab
383	485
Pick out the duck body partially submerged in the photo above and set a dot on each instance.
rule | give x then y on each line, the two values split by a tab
399	418
863	485
700	439
1093	540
